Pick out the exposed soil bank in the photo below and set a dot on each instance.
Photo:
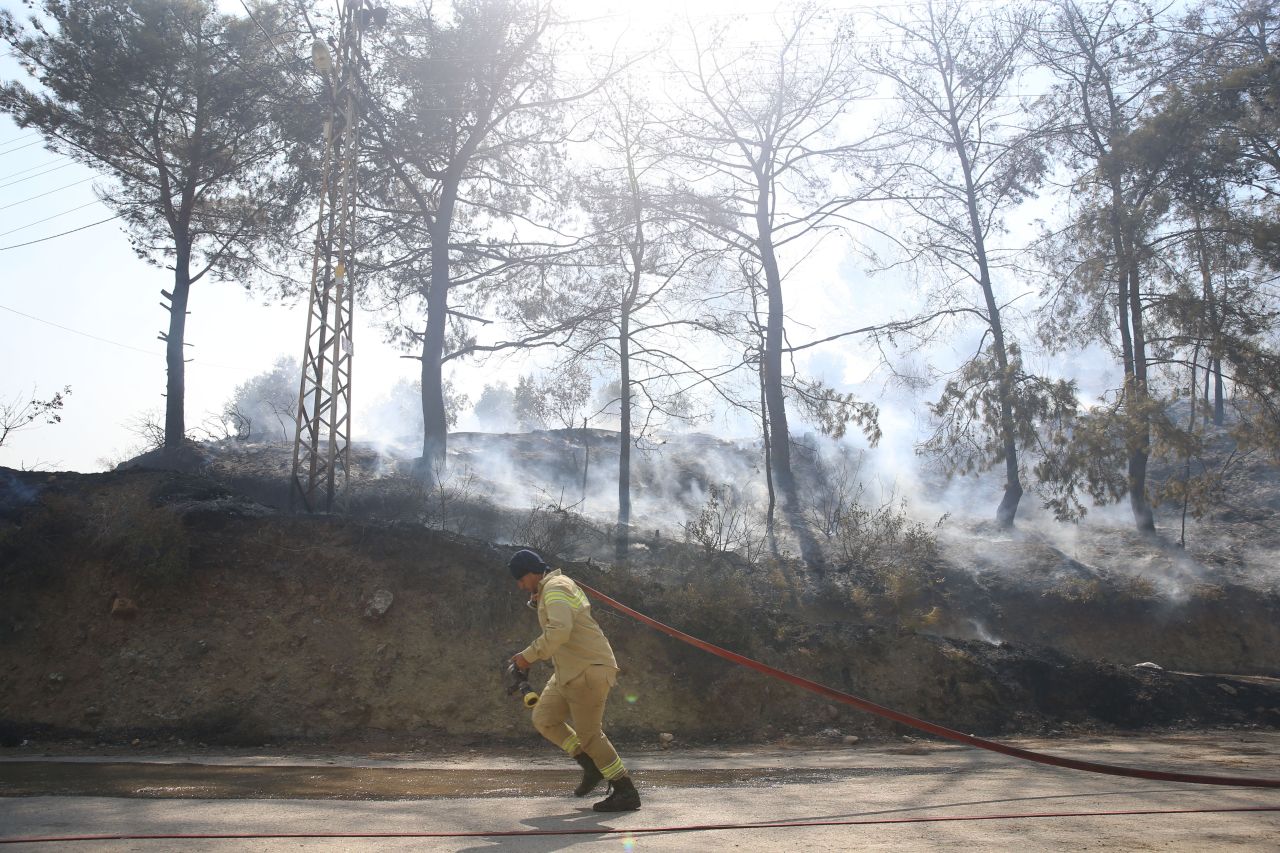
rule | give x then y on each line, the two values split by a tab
155	605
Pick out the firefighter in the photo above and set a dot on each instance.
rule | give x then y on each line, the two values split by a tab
585	671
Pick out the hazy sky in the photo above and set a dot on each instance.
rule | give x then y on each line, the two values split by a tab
82	310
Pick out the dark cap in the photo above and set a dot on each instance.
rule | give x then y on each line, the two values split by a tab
525	561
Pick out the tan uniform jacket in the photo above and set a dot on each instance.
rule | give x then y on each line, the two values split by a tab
570	639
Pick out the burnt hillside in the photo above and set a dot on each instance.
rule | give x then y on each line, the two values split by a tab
144	603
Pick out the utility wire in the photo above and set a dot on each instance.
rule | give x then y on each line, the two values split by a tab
47	218
20	147
20	137
78	332
55	236
37	174
49	192
151	353
29	169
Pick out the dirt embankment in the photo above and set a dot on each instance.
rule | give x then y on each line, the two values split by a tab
156	604
1147	600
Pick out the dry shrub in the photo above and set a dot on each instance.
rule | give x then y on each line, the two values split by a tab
446	503
124	527
1080	590
889	561
552	527
901	594
727	524
882	536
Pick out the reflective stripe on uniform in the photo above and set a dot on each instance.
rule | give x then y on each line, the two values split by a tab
571	743
614	770
576	600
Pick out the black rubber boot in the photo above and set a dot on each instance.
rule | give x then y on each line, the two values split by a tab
623	797
591	775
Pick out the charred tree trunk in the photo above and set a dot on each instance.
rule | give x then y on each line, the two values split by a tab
775	399
1133	348
771	511
1219	415
175	428
435	426
1008	507
768	468
1186	462
1140	439
586	462
624	435
1213	362
637	251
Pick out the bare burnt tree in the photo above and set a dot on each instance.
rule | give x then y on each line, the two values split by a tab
22	412
965	156
643	262
759	148
193	117
466	131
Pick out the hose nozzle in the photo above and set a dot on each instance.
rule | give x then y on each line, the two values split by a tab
518	684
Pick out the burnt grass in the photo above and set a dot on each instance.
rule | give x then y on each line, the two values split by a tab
158	605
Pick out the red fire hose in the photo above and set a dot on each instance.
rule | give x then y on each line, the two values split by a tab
925	725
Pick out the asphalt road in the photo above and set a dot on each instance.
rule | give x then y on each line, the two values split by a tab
484	792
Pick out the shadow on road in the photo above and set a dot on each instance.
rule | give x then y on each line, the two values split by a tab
578	820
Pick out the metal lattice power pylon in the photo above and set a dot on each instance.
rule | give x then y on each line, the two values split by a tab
322	442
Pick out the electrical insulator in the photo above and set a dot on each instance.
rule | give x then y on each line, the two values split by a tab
320	57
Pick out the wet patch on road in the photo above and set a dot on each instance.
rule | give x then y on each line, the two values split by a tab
204	781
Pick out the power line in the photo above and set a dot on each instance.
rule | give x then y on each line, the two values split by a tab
47	218
78	332
151	353
27	135
20	147
29	169
37	174
63	234
50	192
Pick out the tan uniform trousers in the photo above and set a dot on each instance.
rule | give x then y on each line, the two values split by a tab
582	699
